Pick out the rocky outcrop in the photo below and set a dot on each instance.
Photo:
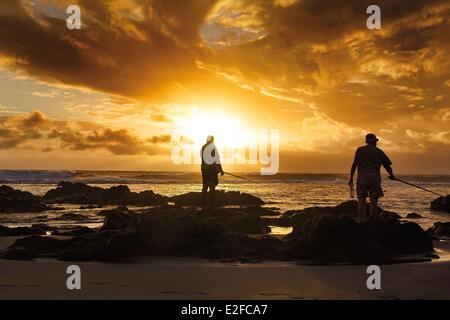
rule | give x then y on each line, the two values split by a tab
13	201
331	238
72	217
221	198
441	204
345	209
35	229
74	231
413	215
231	234
440	230
80	193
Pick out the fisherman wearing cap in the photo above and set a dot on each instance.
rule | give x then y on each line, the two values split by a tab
368	159
210	168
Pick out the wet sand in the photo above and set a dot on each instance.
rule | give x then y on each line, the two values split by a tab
186	278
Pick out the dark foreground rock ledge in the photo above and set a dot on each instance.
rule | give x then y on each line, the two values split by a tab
12	201
230	234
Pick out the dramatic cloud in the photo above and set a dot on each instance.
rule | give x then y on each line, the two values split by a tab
135	48
20	131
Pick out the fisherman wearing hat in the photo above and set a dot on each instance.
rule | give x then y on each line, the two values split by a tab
210	168
369	159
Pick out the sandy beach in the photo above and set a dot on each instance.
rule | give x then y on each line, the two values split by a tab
188	278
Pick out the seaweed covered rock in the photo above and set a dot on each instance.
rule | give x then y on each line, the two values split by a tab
24	231
229	234
165	230
440	230
441	204
72	231
221	198
345	209
332	238
12	201
413	215
81	193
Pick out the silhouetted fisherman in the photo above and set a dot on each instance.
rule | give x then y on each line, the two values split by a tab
369	159
210	169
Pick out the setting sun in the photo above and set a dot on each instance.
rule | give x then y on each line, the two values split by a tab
228	131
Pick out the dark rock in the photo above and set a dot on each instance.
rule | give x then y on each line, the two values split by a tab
441	204
12	201
80	193
413	215
221	198
72	217
119	247
41	218
68	192
260	211
24	231
33	247
332	238
231	234
76	231
18	231
117	220
91	206
103	213
345	209
440	230
41	228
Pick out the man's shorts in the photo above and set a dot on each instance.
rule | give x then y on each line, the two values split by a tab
369	187
210	177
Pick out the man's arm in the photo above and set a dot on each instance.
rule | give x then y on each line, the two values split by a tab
352	173
353	168
389	170
387	165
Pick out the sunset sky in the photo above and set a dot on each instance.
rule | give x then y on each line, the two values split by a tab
112	95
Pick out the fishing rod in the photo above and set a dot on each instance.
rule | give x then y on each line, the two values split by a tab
419	187
235	175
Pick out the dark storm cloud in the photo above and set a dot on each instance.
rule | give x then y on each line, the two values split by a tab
322	52
146	48
134	48
19	130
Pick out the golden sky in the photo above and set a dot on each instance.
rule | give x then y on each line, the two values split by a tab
112	95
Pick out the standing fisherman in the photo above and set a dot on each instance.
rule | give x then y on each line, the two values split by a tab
368	159
210	169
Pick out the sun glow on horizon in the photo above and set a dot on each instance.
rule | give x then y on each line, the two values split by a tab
228	131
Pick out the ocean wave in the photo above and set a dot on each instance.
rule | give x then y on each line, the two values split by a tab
34	176
145	177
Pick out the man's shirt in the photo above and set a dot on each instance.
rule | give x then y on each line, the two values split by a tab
369	159
210	157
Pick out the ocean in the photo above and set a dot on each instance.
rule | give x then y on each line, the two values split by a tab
285	191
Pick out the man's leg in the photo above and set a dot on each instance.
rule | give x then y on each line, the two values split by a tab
374	207
362	209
